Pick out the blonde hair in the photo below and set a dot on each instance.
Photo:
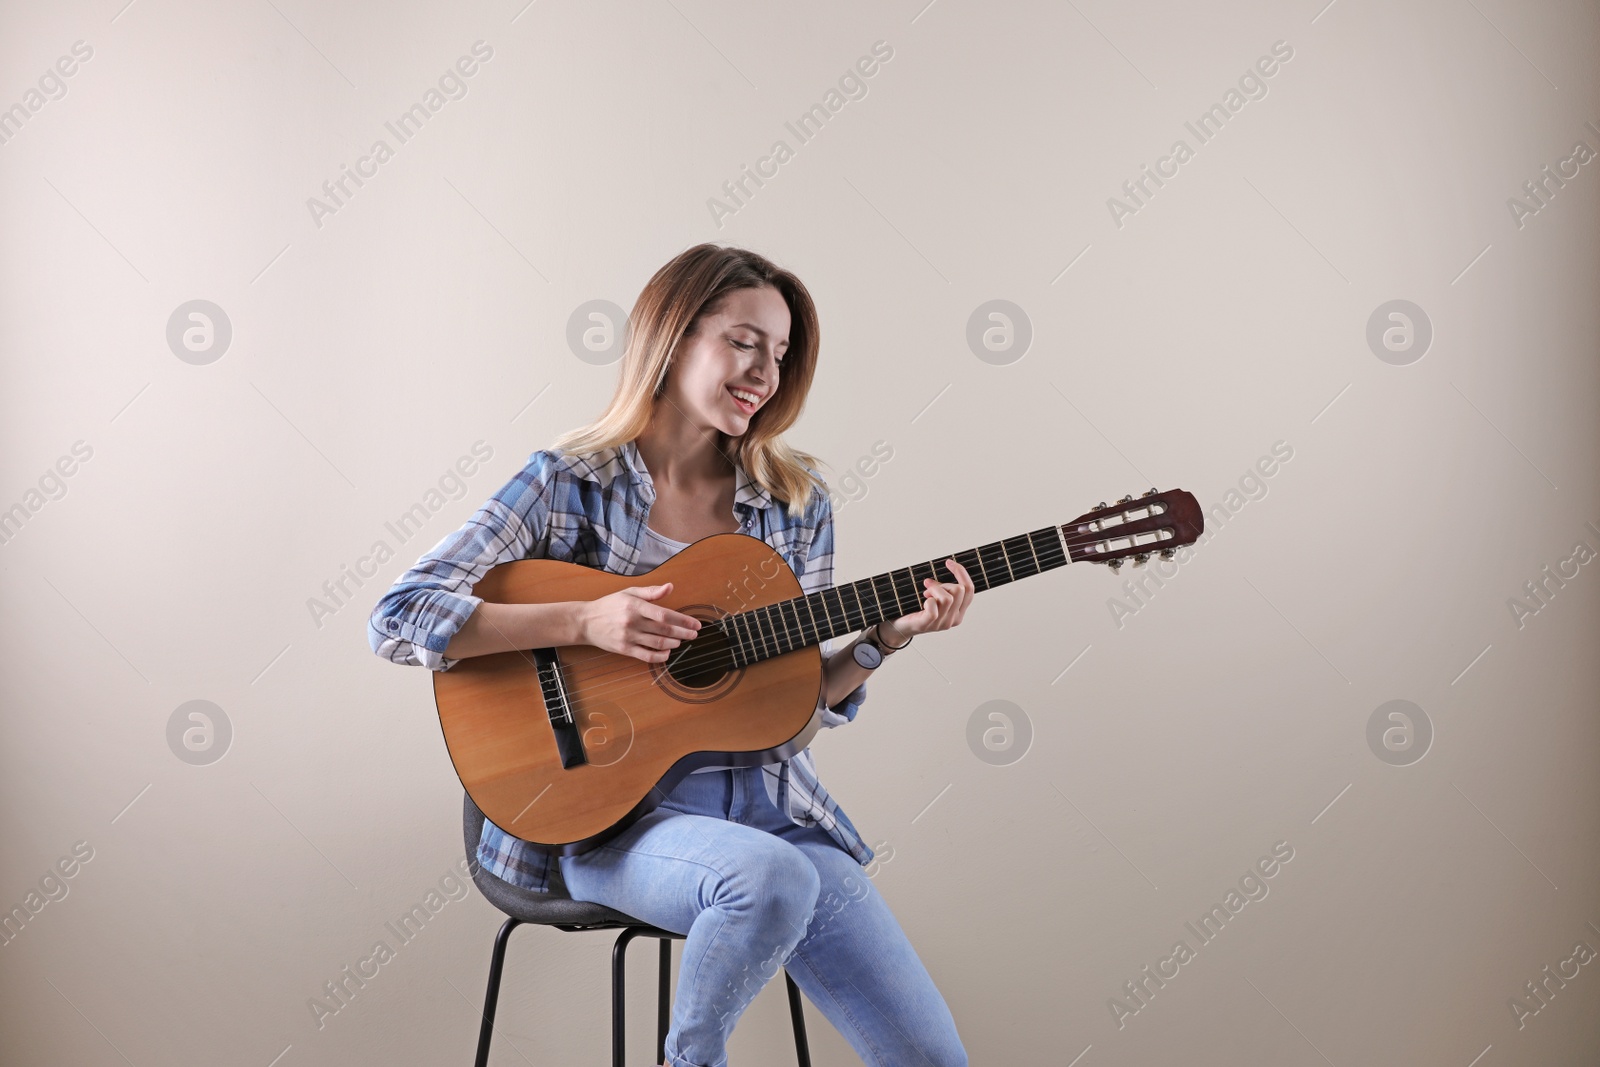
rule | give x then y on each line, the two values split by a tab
689	287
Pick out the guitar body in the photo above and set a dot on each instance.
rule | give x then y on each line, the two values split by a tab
643	726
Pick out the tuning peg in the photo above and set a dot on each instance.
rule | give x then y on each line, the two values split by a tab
1141	559
1114	564
1127	499
1168	553
1150	492
1100	505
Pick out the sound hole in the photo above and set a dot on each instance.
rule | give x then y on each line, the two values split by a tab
703	662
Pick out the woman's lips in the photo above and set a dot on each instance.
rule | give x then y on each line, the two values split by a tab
744	406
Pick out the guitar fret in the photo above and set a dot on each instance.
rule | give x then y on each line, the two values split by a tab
1037	567
759	632
980	579
1043	558
985	553
1053	544
780	631
861	609
796	637
878	592
911	587
1017	568
877	600
771	629
844	615
816	631
746	638
1020	568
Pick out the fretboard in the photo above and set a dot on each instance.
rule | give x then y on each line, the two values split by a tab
764	632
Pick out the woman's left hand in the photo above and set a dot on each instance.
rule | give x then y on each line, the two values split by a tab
946	603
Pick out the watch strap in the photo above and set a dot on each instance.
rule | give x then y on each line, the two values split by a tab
884	646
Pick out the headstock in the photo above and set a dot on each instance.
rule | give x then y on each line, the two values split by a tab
1155	522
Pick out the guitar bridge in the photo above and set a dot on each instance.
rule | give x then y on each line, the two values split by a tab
569	742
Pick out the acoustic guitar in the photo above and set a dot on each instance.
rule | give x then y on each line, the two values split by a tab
566	747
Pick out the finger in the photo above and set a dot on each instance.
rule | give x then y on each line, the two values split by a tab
675	622
655	637
649	592
963	586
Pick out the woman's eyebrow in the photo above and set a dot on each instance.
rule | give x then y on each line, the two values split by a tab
757	329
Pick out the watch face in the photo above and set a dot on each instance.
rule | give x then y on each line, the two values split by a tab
868	655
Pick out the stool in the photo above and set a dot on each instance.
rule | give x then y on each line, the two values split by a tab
562	912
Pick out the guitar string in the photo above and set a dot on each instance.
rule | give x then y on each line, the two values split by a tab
712	656
627	674
634	675
1053	554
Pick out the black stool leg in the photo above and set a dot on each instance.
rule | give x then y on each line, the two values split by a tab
619	1029
492	996
802	1048
664	1004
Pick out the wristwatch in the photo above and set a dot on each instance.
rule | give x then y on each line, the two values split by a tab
870	650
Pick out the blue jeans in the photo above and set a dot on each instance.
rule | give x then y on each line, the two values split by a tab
754	893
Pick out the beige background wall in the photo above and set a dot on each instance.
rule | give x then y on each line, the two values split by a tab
1170	743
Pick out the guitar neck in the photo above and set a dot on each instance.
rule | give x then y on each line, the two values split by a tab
774	629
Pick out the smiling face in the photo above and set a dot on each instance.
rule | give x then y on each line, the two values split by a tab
728	369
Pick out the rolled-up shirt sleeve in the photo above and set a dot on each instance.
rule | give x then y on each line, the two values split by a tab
414	621
818	575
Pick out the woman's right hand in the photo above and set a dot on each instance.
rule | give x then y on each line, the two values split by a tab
629	622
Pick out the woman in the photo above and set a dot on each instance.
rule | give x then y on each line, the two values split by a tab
757	865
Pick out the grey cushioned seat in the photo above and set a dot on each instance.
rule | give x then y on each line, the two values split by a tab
545	909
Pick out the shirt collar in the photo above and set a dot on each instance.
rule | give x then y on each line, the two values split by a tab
624	459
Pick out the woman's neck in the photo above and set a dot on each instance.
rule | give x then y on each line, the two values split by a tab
680	454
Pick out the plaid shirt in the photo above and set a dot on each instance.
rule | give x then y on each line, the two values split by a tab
592	510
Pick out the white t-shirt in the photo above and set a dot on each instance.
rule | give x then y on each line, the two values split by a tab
655	551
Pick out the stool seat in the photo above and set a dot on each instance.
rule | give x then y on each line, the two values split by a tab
550	909
525	905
